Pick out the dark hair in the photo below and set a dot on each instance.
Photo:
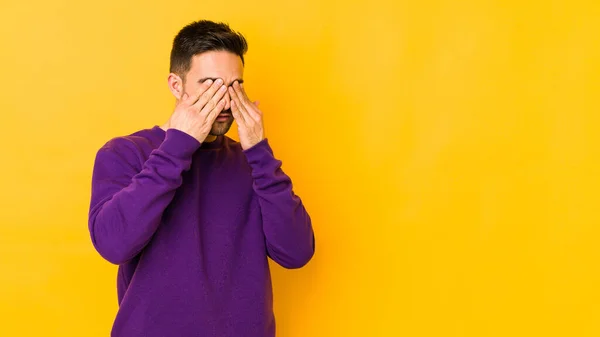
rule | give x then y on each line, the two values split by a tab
202	36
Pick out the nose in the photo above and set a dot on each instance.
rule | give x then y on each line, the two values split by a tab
227	101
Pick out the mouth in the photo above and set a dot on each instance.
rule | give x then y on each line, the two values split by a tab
223	117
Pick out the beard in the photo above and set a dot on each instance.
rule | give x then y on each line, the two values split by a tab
220	128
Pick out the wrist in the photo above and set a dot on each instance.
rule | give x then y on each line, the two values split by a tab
180	143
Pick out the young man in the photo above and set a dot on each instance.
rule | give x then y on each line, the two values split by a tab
191	216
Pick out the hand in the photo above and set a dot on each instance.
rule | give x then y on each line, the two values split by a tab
196	114
247	115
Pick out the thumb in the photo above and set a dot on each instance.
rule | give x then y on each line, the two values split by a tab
183	95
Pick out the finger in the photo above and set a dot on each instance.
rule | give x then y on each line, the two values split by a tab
240	93
249	107
252	108
236	113
205	96
216	111
242	109
213	101
183	96
256	109
190	99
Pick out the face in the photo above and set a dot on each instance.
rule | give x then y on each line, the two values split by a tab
211	65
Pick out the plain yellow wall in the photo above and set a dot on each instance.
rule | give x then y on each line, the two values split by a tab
447	150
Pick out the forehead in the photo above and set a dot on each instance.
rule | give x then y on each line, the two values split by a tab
216	64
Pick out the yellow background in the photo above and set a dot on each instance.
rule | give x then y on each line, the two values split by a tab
447	151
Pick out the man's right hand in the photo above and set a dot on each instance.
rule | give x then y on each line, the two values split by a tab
196	114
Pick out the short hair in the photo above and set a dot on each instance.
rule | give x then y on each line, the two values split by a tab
203	36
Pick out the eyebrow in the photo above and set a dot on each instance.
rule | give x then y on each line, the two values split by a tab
202	80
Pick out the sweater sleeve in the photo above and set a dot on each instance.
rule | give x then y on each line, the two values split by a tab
127	203
286	223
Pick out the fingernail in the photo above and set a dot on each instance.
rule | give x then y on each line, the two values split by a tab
209	82
223	88
219	81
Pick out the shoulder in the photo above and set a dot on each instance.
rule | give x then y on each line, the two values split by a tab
131	147
136	140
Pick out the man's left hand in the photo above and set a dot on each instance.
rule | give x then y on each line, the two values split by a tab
247	115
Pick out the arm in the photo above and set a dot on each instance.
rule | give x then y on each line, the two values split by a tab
127	203
286	223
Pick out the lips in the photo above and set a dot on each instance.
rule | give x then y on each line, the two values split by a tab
224	116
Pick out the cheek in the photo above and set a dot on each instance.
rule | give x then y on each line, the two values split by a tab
191	88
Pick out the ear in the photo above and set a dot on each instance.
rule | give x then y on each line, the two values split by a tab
175	85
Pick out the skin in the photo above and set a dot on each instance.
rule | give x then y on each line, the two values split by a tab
213	87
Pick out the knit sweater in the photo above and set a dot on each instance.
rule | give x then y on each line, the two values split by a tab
191	227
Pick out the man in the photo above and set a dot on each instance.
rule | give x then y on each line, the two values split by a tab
191	216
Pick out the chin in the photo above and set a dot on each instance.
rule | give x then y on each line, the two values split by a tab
220	130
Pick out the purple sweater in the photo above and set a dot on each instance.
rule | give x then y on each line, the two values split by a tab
191	227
